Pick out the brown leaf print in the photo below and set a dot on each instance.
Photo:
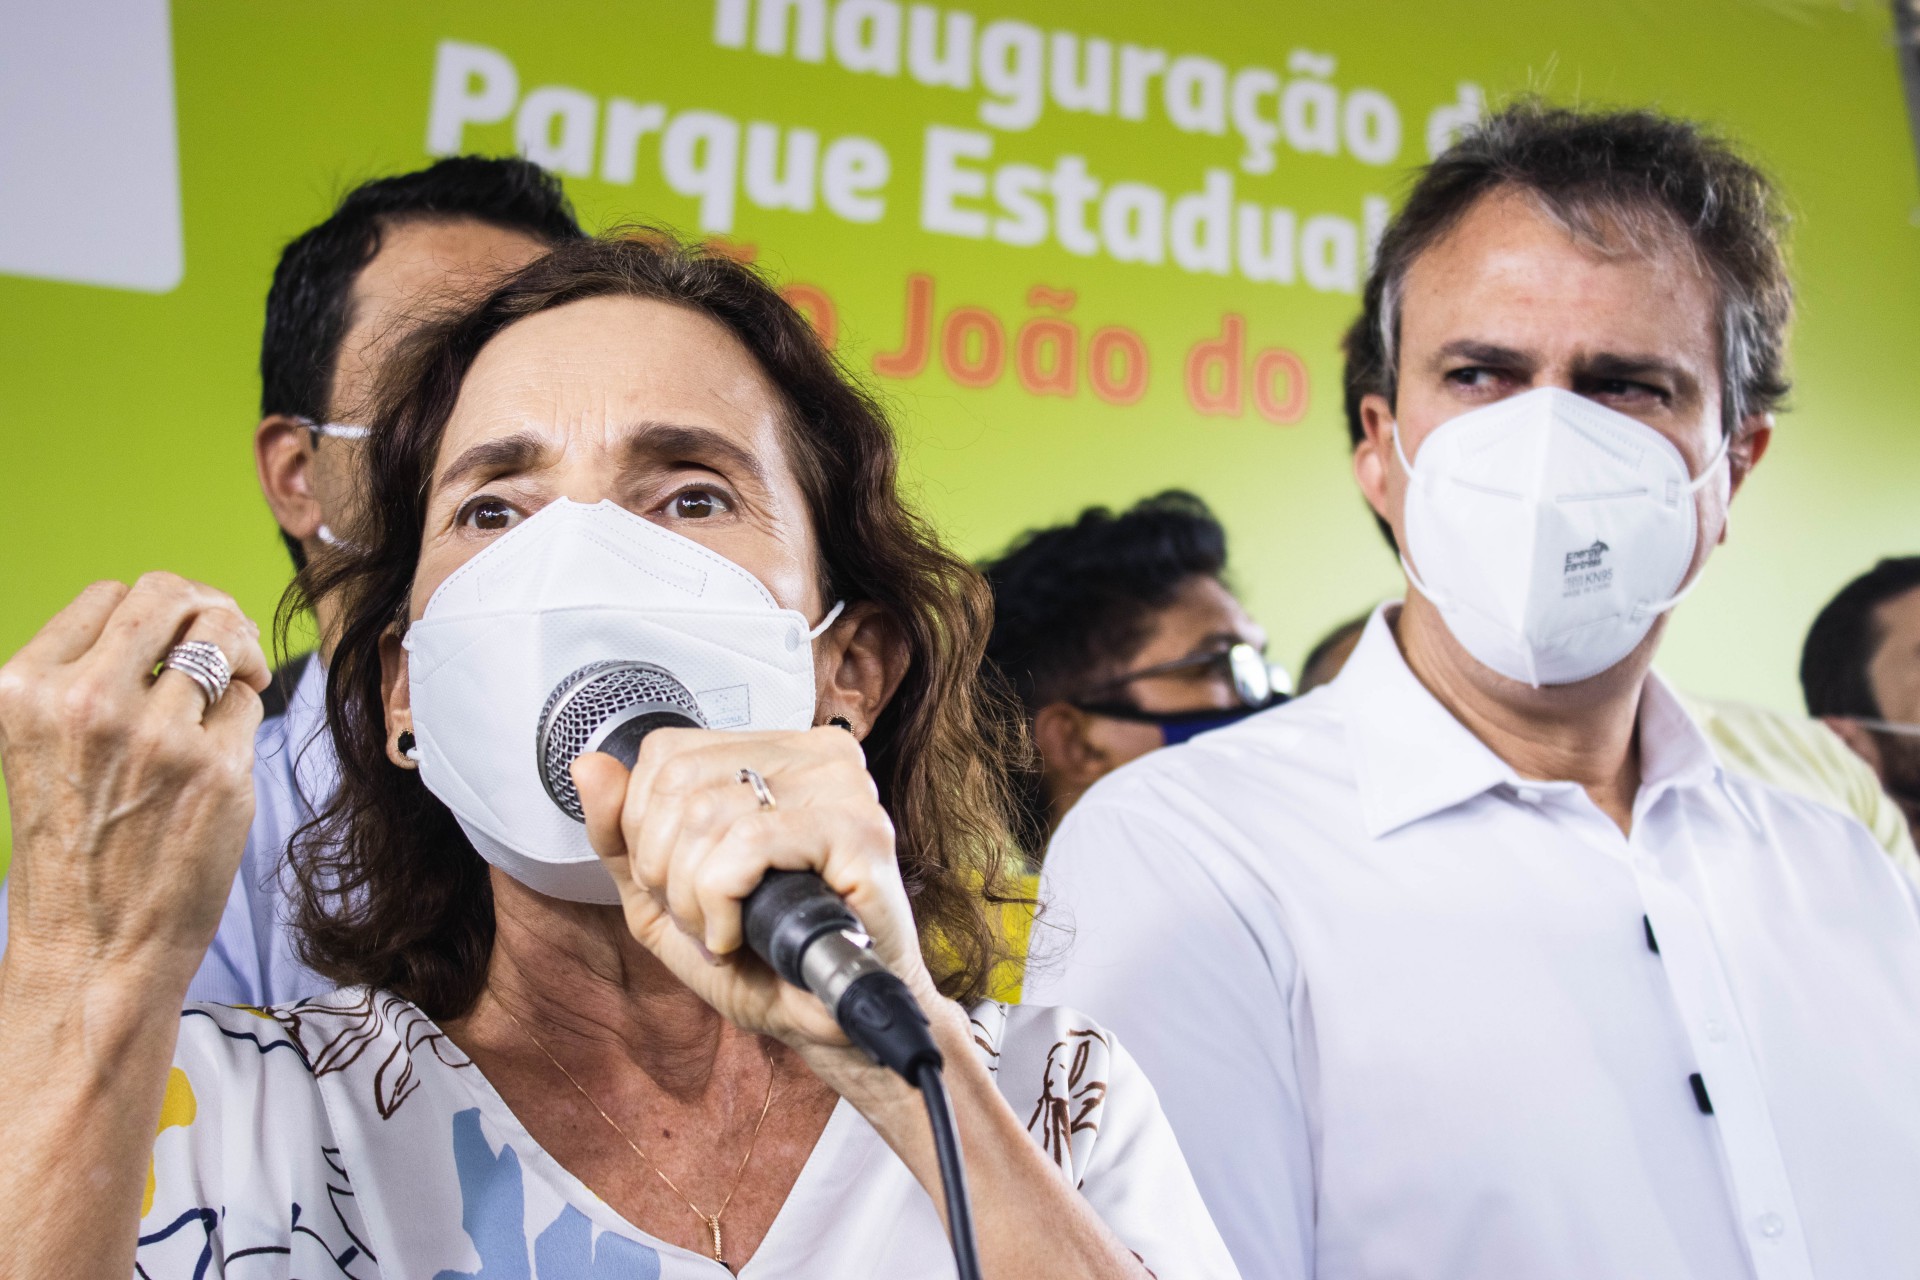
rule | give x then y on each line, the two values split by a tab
983	1040
333	1038
1070	1096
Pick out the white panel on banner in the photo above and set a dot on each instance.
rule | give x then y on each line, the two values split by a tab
89	164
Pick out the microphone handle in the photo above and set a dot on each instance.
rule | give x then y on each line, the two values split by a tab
803	929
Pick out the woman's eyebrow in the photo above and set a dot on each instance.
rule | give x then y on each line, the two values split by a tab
680	442
509	455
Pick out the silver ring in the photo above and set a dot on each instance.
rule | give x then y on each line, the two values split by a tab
761	792
201	662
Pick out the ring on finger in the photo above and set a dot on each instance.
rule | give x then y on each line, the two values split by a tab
202	662
761	792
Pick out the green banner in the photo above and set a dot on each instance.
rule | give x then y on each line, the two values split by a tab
1086	251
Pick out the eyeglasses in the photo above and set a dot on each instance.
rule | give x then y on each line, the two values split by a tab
1256	682
332	430
1887	726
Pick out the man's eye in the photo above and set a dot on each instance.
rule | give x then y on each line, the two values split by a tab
489	515
696	504
1472	377
1621	389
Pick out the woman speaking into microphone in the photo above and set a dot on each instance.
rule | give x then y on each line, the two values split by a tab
629	477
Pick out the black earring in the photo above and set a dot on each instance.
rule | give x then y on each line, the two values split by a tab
406	742
840	722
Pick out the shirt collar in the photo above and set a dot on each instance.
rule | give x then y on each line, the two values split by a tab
1675	752
1413	759
315	772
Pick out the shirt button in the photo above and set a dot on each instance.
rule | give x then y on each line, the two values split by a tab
1770	1225
1716	1030
1527	795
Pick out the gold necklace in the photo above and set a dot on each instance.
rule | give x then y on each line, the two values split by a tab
711	1220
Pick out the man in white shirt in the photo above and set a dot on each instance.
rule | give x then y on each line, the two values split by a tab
1476	962
394	251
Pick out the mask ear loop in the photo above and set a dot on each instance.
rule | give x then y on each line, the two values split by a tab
1694	486
838	607
1414	578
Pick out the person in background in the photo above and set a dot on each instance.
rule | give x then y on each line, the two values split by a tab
393	252
1119	635
1477	963
1330	653
1795	752
1860	672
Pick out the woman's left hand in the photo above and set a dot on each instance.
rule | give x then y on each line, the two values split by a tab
685	840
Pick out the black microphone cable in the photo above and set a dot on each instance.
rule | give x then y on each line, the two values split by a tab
800	926
953	1171
792	919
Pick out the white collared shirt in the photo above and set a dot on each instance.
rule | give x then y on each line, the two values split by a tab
252	959
1404	1010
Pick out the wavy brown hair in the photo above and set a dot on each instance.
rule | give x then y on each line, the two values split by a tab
390	892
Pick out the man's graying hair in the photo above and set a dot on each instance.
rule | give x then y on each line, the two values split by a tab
1633	181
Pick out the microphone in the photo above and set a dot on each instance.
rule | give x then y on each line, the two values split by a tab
802	928
792	919
611	707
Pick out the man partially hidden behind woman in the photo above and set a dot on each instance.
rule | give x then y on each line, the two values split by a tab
571	1070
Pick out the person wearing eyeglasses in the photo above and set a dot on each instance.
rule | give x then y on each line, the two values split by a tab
1860	672
1120	635
393	251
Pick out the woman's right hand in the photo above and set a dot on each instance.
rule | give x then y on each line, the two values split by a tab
130	797
131	800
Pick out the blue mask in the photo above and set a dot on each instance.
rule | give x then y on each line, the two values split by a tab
1177	726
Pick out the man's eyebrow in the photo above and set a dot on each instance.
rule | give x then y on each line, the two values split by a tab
1487	353
680	442
508	455
1610	365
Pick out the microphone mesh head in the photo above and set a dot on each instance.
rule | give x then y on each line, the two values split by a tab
593	700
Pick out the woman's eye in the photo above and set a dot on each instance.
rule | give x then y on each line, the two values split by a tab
696	504
489	515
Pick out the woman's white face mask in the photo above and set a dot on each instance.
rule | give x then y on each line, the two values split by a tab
1550	532
571	586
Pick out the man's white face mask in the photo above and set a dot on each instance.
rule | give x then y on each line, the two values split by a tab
1550	532
491	658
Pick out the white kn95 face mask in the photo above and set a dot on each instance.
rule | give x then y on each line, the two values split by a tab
579	613
1550	532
